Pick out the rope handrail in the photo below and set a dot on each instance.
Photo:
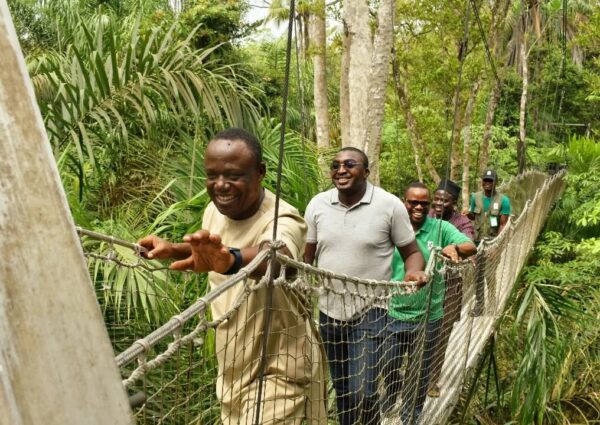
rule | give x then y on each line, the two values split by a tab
198	307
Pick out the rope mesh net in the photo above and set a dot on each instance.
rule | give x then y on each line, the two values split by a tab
202	368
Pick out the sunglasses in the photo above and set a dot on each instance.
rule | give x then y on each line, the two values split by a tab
348	164
414	203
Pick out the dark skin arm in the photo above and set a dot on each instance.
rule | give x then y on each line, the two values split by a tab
503	221
310	250
457	251
414	263
161	249
203	252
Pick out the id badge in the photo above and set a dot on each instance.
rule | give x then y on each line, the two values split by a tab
493	221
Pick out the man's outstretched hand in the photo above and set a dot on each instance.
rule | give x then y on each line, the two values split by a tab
207	254
157	247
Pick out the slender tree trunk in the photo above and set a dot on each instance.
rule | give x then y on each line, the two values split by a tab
300	38
458	127
318	50
359	49
344	87
411	124
536	17
498	16
521	149
404	104
487	130
466	157
380	71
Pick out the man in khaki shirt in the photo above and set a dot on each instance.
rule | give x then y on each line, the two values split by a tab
236	222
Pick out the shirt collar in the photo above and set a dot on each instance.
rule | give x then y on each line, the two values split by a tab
426	227
366	198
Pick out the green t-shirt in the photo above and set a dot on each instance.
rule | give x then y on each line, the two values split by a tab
412	307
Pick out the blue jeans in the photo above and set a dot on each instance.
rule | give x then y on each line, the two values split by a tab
355	357
406	338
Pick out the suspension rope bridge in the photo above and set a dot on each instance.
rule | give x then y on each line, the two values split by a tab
171	370
175	365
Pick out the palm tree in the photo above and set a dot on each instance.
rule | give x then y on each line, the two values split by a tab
116	88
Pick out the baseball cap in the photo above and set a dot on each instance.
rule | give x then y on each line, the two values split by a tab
489	174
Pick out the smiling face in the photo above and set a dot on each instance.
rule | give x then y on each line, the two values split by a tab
233	178
443	204
416	201
349	174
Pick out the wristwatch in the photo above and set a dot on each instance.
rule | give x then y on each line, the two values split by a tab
237	261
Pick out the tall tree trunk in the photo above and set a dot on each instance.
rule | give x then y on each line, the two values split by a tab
487	130
536	17
359	49
298	33
521	148
456	133
380	71
344	87
466	157
457	123
498	17
319	59
416	139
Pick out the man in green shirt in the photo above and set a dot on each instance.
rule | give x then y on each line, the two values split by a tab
489	209
408	312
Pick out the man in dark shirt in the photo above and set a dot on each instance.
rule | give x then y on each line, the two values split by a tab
444	207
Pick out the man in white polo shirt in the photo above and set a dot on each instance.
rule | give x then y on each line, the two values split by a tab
353	229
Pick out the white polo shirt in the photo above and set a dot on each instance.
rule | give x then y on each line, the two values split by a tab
357	241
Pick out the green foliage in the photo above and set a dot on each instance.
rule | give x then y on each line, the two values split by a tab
220	23
120	100
33	29
578	212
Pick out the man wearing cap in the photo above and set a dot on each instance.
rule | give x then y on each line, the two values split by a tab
444	207
489	211
489	208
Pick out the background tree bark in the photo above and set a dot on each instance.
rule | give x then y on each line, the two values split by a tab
380	71
319	60
523	104
466	158
359	53
499	13
411	123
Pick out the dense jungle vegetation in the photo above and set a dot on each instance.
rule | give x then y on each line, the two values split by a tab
131	90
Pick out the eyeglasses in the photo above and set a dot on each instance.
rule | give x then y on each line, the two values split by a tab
347	163
414	203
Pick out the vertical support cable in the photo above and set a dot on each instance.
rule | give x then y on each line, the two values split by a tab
269	301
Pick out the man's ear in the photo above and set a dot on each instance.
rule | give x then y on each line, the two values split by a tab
262	170
367	172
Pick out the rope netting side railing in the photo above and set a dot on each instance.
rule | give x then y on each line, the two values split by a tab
198	368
